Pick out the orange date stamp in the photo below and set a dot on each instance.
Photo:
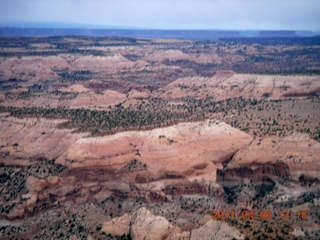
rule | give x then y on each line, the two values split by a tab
263	214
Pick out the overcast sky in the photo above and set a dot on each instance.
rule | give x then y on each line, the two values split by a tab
169	14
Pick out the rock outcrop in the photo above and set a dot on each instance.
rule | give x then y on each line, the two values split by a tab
118	226
36	185
144	225
149	227
34	197
216	230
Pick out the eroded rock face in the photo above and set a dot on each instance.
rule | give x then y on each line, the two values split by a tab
253	172
185	187
147	226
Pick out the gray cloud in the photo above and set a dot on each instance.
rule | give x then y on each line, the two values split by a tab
192	14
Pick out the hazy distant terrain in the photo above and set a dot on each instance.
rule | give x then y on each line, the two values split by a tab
152	33
144	135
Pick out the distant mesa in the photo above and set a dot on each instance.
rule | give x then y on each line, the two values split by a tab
272	34
129	33
152	33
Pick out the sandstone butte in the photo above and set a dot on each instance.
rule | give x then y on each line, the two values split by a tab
194	150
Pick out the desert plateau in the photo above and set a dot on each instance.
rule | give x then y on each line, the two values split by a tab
139	138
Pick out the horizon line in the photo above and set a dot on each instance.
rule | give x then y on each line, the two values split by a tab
27	25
